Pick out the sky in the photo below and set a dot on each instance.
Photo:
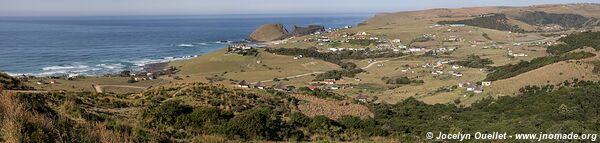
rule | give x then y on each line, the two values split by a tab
216	7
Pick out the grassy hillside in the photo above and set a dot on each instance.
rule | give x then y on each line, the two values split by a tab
9	82
563	19
496	21
576	41
205	113
507	71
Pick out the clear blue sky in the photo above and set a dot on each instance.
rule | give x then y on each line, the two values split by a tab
201	7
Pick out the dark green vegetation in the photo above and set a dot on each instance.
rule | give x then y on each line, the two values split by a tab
421	39
320	93
362	42
543	18
486	36
9	82
474	61
401	80
508	71
496	21
162	116
348	70
576	41
335	57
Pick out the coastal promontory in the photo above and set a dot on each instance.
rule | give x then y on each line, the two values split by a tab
269	32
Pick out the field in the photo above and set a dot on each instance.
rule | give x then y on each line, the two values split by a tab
85	84
237	67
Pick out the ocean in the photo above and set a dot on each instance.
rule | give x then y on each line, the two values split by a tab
52	46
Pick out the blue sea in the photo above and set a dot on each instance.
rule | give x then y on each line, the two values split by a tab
47	46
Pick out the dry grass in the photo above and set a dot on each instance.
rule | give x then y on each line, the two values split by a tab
108	136
11	126
331	109
246	68
85	84
548	75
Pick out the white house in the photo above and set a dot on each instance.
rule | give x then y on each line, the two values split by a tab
329	81
486	83
415	49
471	87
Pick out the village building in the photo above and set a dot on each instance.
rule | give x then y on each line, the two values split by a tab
471	87
361	98
260	85
239	47
281	87
243	84
486	83
329	81
416	49
510	53
71	76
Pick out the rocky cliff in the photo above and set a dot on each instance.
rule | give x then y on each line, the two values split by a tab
301	31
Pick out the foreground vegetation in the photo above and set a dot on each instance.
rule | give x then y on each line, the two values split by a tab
8	82
215	114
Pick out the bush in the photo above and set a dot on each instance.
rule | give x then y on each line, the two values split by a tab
474	61
362	42
402	80
253	124
496	21
299	120
166	113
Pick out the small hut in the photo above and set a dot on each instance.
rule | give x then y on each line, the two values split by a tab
244	84
260	85
281	87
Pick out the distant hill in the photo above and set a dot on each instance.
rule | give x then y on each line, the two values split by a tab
272	32
495	21
269	32
562	19
529	18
